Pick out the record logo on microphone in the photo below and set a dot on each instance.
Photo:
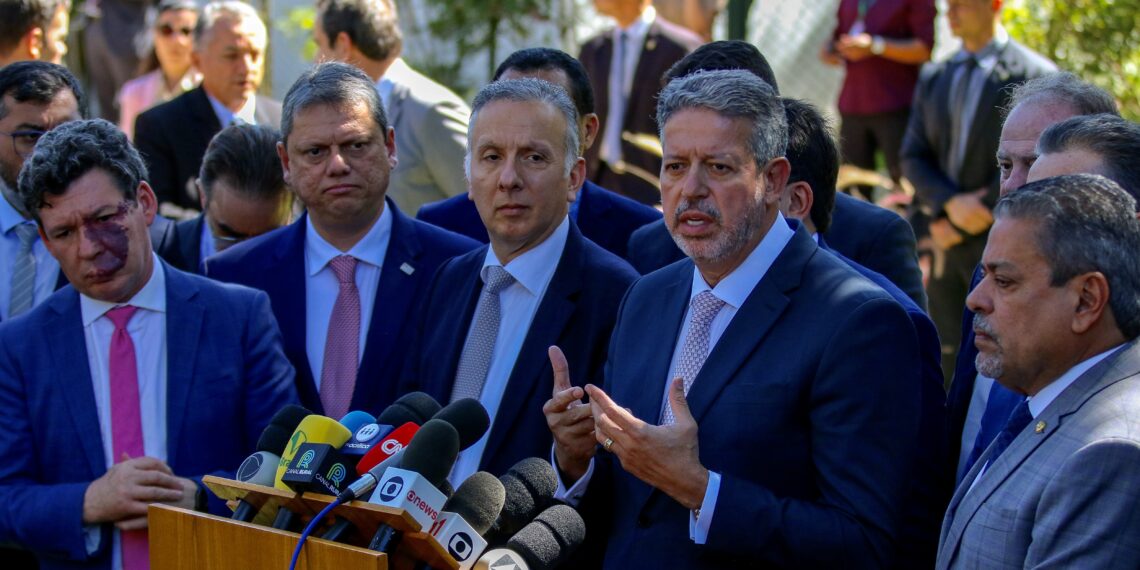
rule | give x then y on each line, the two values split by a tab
249	467
367	432
391	489
460	547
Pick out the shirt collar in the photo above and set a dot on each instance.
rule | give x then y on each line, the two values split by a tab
735	288
370	249
535	268
9	217
247	112
385	85
152	297
1042	399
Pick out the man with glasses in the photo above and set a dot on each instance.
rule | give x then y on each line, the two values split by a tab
35	97
243	195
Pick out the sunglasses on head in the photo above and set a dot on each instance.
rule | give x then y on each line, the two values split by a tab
168	30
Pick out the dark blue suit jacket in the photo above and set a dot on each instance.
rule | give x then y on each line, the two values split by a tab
577	314
275	263
808	407
226	376
873	237
604	217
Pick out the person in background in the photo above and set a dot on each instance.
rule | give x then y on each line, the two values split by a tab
167	71
33	30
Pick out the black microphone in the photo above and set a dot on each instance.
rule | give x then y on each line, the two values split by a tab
261	467
468	515
544	544
415	407
414	485
530	485
468	417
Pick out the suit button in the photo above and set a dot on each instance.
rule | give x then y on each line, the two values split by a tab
642	521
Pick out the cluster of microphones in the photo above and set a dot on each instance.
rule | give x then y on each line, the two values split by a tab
401	459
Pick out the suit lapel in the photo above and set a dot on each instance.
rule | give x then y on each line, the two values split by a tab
400	279
199	106
65	334
183	332
665	313
531	365
287	290
189	242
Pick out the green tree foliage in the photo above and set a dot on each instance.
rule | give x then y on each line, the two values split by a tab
477	25
1099	40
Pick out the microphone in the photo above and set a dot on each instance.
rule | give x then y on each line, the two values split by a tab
313	429
414	485
415	408
530	485
467	515
468	417
544	544
261	467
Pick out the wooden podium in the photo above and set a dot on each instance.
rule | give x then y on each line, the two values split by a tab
187	540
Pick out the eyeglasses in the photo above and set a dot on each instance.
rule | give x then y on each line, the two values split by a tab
167	30
24	142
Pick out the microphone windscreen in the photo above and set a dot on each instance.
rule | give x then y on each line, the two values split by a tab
281	426
415	407
356	419
446	488
551	538
432	451
530	485
313	429
479	500
468	417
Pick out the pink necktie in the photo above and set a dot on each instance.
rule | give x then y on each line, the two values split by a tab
342	344
126	422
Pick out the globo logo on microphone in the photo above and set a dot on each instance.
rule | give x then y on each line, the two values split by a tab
391	489
460	547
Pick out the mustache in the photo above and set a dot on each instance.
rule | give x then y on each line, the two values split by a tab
981	324
699	206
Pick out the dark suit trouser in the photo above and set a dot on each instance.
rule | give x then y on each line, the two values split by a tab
861	136
947	295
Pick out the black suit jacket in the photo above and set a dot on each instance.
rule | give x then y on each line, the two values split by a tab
173	136
577	313
184	249
604	217
927	146
665	44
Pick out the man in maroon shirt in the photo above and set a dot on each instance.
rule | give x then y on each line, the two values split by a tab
883	44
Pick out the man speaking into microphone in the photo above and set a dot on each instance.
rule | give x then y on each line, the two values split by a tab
755	393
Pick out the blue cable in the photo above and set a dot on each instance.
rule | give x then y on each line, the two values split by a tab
309	529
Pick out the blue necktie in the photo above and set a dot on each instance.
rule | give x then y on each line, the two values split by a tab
1017	422
999	407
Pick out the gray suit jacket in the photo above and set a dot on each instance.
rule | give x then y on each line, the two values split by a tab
1066	491
431	138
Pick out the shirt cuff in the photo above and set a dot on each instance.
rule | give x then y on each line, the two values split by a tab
699	524
573	495
92	533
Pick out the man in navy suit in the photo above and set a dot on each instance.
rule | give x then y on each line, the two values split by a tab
773	394
153	377
604	217
347	279
872	236
523	165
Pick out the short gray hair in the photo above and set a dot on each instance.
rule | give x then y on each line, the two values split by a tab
71	150
1086	223
1064	88
336	84
733	94
524	90
224	9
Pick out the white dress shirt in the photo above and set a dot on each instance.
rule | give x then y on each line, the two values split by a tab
322	286
610	151
734	290
247	113
47	268
519	302
147	329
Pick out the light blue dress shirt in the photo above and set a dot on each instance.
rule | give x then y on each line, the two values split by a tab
47	268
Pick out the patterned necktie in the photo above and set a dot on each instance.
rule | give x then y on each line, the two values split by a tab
475	360
126	422
1017	422
342	343
704	308
999	406
23	271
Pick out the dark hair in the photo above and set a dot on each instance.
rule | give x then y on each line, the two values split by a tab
331	83
71	150
814	157
37	82
372	25
245	156
17	17
550	59
1115	140
149	62
728	54
1086	223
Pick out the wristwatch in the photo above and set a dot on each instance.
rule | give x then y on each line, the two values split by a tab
878	45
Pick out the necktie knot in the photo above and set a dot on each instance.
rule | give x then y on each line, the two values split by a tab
120	316
27	234
497	279
1018	419
705	307
344	266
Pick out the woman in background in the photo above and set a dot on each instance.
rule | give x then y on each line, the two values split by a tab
166	72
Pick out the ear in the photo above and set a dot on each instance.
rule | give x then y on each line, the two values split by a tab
284	156
342	47
577	178
390	145
775	175
800	200
201	193
32	43
148	201
1092	294
195	58
591	125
